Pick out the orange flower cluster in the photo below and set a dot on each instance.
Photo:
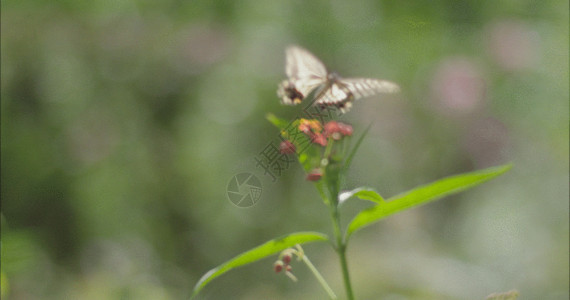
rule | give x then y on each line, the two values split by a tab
319	134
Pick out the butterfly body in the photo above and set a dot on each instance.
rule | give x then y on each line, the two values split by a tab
306	73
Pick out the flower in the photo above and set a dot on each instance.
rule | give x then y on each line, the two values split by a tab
315	175
320	139
337	130
278	266
310	126
332	129
314	130
332	126
286	147
287	258
345	129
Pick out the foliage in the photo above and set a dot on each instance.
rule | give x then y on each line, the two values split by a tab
326	156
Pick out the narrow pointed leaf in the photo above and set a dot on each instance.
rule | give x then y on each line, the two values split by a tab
422	195
363	193
355	148
269	248
278	122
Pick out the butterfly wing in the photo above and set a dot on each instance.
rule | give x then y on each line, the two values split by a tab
366	87
342	92
302	65
305	72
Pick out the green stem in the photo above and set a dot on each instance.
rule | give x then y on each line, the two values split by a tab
346	276
319	277
341	250
329	147
332	202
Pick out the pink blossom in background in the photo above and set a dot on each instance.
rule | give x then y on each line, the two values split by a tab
458	86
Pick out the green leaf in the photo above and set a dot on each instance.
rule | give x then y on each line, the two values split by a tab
269	248
422	195
356	146
363	193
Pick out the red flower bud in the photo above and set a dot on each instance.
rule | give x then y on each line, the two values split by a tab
336	130
332	126
288	268
287	258
332	129
286	147
315	175
345	129
319	139
278	266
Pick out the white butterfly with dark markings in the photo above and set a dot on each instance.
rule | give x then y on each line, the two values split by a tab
306	73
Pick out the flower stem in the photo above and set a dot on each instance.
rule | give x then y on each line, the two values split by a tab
345	275
319	277
341	250
332	202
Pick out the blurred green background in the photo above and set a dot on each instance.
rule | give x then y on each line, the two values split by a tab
123	121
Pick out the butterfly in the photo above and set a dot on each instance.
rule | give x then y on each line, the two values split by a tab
306	73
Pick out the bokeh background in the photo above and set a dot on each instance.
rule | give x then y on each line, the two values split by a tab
123	121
